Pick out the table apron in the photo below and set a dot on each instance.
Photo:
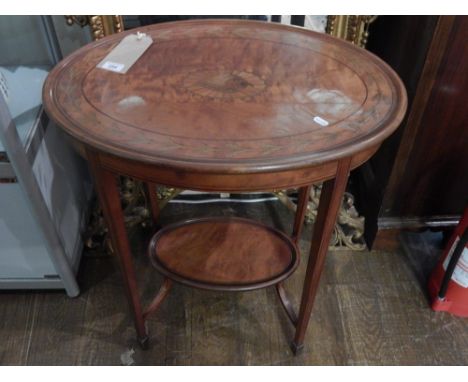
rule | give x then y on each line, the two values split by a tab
233	182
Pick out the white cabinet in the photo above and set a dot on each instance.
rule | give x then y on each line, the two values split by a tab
44	185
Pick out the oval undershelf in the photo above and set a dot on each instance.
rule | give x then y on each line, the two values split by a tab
223	253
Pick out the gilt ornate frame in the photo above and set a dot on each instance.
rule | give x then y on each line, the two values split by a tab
350	28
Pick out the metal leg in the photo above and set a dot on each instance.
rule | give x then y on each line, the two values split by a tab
108	193
330	201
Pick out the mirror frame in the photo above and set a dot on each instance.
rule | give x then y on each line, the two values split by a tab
353	28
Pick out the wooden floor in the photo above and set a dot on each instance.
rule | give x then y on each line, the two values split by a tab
371	309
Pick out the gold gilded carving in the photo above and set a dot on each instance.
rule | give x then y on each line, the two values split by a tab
351	28
97	27
100	25
354	28
349	228
166	194
79	20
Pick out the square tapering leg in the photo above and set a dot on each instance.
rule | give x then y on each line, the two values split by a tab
108	193
329	205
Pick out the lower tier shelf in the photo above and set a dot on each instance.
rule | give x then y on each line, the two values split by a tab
223	253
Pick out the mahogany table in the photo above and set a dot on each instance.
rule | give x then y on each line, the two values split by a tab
231	106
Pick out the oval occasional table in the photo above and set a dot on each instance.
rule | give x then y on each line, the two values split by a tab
231	106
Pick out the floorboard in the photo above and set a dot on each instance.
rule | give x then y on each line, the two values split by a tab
371	309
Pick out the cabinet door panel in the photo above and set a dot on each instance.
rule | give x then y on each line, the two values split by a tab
22	250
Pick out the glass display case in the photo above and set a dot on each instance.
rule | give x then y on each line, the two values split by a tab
44	185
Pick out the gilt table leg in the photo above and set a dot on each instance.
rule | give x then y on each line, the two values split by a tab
329	205
108	193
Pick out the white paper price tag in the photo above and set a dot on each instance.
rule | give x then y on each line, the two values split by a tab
113	66
126	53
320	121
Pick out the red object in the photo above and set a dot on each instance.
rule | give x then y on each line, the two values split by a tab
448	284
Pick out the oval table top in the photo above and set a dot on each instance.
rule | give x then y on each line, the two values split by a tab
228	96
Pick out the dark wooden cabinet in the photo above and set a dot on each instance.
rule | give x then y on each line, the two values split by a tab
418	178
